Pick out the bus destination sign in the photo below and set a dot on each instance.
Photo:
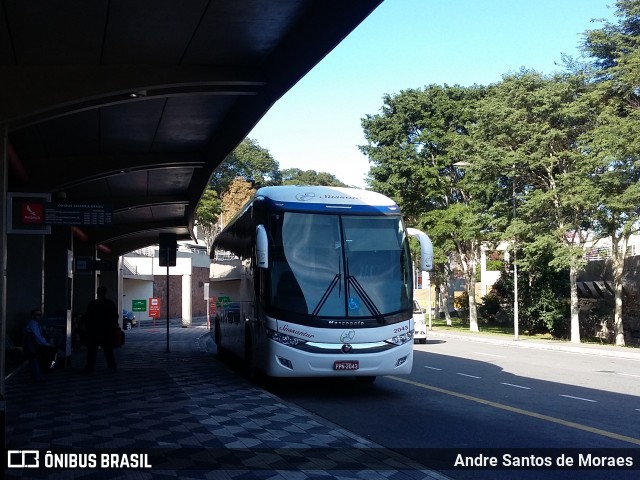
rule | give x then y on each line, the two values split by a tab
77	213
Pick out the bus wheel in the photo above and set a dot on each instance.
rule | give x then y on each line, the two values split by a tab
216	332
218	341
248	356
366	380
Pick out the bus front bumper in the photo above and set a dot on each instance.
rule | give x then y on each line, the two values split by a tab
288	361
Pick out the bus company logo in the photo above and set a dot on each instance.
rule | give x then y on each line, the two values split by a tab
341	197
300	333
347	336
305	197
32	213
23	458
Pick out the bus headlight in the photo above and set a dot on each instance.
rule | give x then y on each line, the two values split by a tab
284	338
401	339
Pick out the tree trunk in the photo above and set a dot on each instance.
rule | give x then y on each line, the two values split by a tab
443	303
618	255
473	311
575	320
472	266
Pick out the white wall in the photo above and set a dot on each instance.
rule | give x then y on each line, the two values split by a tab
151	266
136	290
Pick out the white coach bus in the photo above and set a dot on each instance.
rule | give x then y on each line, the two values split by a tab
322	286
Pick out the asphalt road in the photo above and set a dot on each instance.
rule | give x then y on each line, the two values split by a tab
464	396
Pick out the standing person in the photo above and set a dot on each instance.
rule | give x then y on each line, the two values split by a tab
100	322
37	349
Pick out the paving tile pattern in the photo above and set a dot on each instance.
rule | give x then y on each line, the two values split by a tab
189	413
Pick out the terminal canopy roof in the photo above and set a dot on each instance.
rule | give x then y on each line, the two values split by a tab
133	104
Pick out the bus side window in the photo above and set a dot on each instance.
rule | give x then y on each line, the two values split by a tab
289	294
288	285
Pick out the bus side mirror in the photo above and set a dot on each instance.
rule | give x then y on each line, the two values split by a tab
262	247
426	248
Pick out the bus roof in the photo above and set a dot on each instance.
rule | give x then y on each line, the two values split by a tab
292	196
236	235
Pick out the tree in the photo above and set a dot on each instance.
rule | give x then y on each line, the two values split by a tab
616	52
207	214
238	193
248	161
295	176
414	146
528	127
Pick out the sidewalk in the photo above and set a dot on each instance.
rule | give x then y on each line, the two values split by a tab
525	342
188	413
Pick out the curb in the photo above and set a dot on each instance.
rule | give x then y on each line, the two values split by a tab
604	351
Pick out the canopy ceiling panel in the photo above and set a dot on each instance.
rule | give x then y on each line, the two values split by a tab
133	104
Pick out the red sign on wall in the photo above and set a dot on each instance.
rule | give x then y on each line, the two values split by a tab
32	213
26	213
154	307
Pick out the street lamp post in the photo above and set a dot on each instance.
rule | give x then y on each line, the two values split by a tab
515	296
429	299
515	268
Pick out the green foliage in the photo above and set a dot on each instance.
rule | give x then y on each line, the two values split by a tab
295	176
207	214
414	143
548	163
489	309
613	141
418	146
208	208
543	300
528	127
461	304
495	264
250	162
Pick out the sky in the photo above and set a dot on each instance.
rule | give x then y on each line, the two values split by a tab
411	44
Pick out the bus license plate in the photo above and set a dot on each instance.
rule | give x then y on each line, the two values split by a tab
346	365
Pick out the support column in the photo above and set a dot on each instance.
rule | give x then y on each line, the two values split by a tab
58	283
84	283
25	287
3	285
111	280
186	301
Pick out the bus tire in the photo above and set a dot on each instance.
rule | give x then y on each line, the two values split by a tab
216	333
248	355
220	351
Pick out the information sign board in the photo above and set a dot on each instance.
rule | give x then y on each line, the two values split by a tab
139	305
77	213
154	307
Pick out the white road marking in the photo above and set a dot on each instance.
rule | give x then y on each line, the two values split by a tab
466	375
579	398
432	368
490	354
514	385
508	408
629	375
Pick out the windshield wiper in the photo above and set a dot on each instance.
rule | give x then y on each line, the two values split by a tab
326	294
366	298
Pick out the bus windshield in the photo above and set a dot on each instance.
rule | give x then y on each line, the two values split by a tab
330	266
